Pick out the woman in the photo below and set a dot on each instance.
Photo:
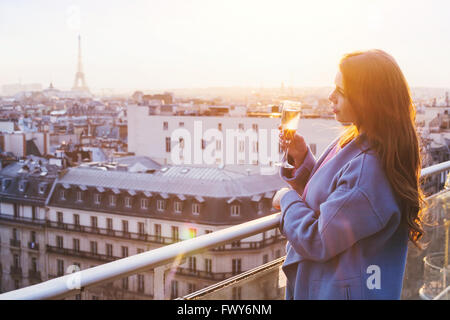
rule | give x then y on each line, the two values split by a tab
348	215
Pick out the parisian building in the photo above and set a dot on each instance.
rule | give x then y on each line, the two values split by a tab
58	221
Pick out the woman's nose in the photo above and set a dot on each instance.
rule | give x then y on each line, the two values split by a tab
332	97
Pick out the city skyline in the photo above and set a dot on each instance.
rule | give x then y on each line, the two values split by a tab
162	45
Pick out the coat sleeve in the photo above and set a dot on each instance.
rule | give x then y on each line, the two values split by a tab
347	216
297	178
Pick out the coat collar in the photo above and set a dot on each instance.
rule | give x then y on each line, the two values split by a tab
351	150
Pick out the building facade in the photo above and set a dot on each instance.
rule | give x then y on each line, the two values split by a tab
203	140
93	216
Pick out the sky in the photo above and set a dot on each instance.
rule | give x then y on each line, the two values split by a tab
158	44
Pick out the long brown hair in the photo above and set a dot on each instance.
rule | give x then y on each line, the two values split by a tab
380	97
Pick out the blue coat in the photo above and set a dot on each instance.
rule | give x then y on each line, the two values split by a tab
346	239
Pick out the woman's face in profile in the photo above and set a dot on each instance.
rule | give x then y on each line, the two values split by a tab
340	105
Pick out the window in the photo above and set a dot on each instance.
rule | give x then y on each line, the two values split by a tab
144	204
255	126
128	202
124	252
175	234
196	209
33	213
181	124
60	217
165	125
277	254
241	146
112	201
60	242
109	250
22	185
192	264
218	144
62	195
174	289
94	247
235	210
76	245
160	205
125	226
125	283
181	142
16	261
94	222
178	206
241	126
14	234
33	236
168	142
236	293
255	146
265	258
208	265
76	219
79	196
16	210
97	198
141	283
191	287
60	267
236	266
158	231
34	264
219	126
192	233
109	223
260	207
141	228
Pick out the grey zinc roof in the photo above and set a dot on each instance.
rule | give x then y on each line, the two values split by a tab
197	181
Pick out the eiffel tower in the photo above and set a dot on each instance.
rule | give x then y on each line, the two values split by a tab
79	76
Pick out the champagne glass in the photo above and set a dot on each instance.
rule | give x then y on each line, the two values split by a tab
290	116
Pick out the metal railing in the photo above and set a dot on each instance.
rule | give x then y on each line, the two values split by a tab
64	286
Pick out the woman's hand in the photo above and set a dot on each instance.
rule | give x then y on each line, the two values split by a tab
277	197
297	148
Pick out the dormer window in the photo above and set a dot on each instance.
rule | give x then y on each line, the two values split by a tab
42	187
22	185
128	202
196	209
178	206
235	210
79	196
5	184
160	205
62	195
144	204
112	201
97	198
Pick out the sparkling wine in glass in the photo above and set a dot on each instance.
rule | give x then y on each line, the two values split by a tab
290	116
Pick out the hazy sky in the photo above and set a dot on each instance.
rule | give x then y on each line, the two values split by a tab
158	44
